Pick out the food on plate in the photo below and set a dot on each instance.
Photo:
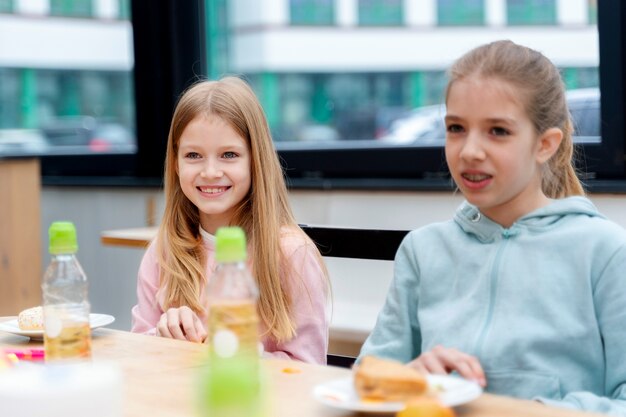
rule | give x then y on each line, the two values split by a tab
425	407
387	380
31	319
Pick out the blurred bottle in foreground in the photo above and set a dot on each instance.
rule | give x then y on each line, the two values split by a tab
65	301
231	384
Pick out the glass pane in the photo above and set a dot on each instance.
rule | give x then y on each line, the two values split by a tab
311	12
217	37
380	12
460	12
593	12
73	100
350	82
74	8
124	7
531	12
6	6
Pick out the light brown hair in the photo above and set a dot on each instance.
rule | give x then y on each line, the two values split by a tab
262	214
541	89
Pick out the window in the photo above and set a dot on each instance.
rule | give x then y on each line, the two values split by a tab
124	9
460	12
217	37
577	77
531	12
311	12
49	94
73	8
326	122
74	104
593	12
329	108
380	12
6	6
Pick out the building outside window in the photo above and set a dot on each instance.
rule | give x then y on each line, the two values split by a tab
124	9
460	12
347	101
73	8
75	93
380	12
580	77
531	12
372	65
311	12
6	6
592	12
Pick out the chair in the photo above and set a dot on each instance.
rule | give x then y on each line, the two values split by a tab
343	242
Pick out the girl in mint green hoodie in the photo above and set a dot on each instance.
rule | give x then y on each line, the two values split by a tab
524	291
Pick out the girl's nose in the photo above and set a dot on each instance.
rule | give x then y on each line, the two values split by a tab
211	170
473	147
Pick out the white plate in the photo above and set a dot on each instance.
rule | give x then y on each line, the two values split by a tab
340	393
95	321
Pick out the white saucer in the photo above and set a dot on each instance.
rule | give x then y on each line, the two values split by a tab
95	321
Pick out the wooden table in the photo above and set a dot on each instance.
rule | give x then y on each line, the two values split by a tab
159	377
138	237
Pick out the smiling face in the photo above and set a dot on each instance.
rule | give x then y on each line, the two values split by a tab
492	149
213	166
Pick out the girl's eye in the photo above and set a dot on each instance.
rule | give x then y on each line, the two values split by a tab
454	128
192	155
229	155
499	131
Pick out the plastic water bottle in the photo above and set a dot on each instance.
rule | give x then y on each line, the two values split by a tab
232	296
67	334
231	385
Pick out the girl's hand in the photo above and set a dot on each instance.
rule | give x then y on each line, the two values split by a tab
442	360
181	323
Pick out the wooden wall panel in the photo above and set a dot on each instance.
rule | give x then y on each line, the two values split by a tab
20	235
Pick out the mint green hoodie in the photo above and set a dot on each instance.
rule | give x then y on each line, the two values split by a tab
541	304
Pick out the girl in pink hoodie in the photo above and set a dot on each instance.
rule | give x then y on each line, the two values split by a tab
221	169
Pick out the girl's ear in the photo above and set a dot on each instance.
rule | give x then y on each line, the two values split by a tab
548	144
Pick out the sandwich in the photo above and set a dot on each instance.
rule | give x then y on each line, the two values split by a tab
387	380
31	319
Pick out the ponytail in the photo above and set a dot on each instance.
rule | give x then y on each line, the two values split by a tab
559	177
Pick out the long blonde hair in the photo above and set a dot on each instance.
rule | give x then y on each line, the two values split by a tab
541	88
262	213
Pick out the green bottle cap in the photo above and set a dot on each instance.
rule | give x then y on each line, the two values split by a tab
230	244
62	238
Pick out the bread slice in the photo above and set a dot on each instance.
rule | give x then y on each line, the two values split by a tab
31	319
387	380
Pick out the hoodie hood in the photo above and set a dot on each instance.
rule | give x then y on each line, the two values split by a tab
472	221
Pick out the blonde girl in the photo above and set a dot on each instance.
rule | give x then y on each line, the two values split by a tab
221	169
523	291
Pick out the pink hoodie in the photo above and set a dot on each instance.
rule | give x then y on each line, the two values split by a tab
308	290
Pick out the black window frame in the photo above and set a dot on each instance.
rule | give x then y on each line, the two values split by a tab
170	55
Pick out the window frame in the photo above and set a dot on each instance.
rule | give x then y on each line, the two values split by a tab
170	53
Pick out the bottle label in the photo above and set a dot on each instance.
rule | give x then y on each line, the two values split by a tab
53	324
225	343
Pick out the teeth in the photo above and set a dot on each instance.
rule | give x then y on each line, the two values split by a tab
212	190
476	177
